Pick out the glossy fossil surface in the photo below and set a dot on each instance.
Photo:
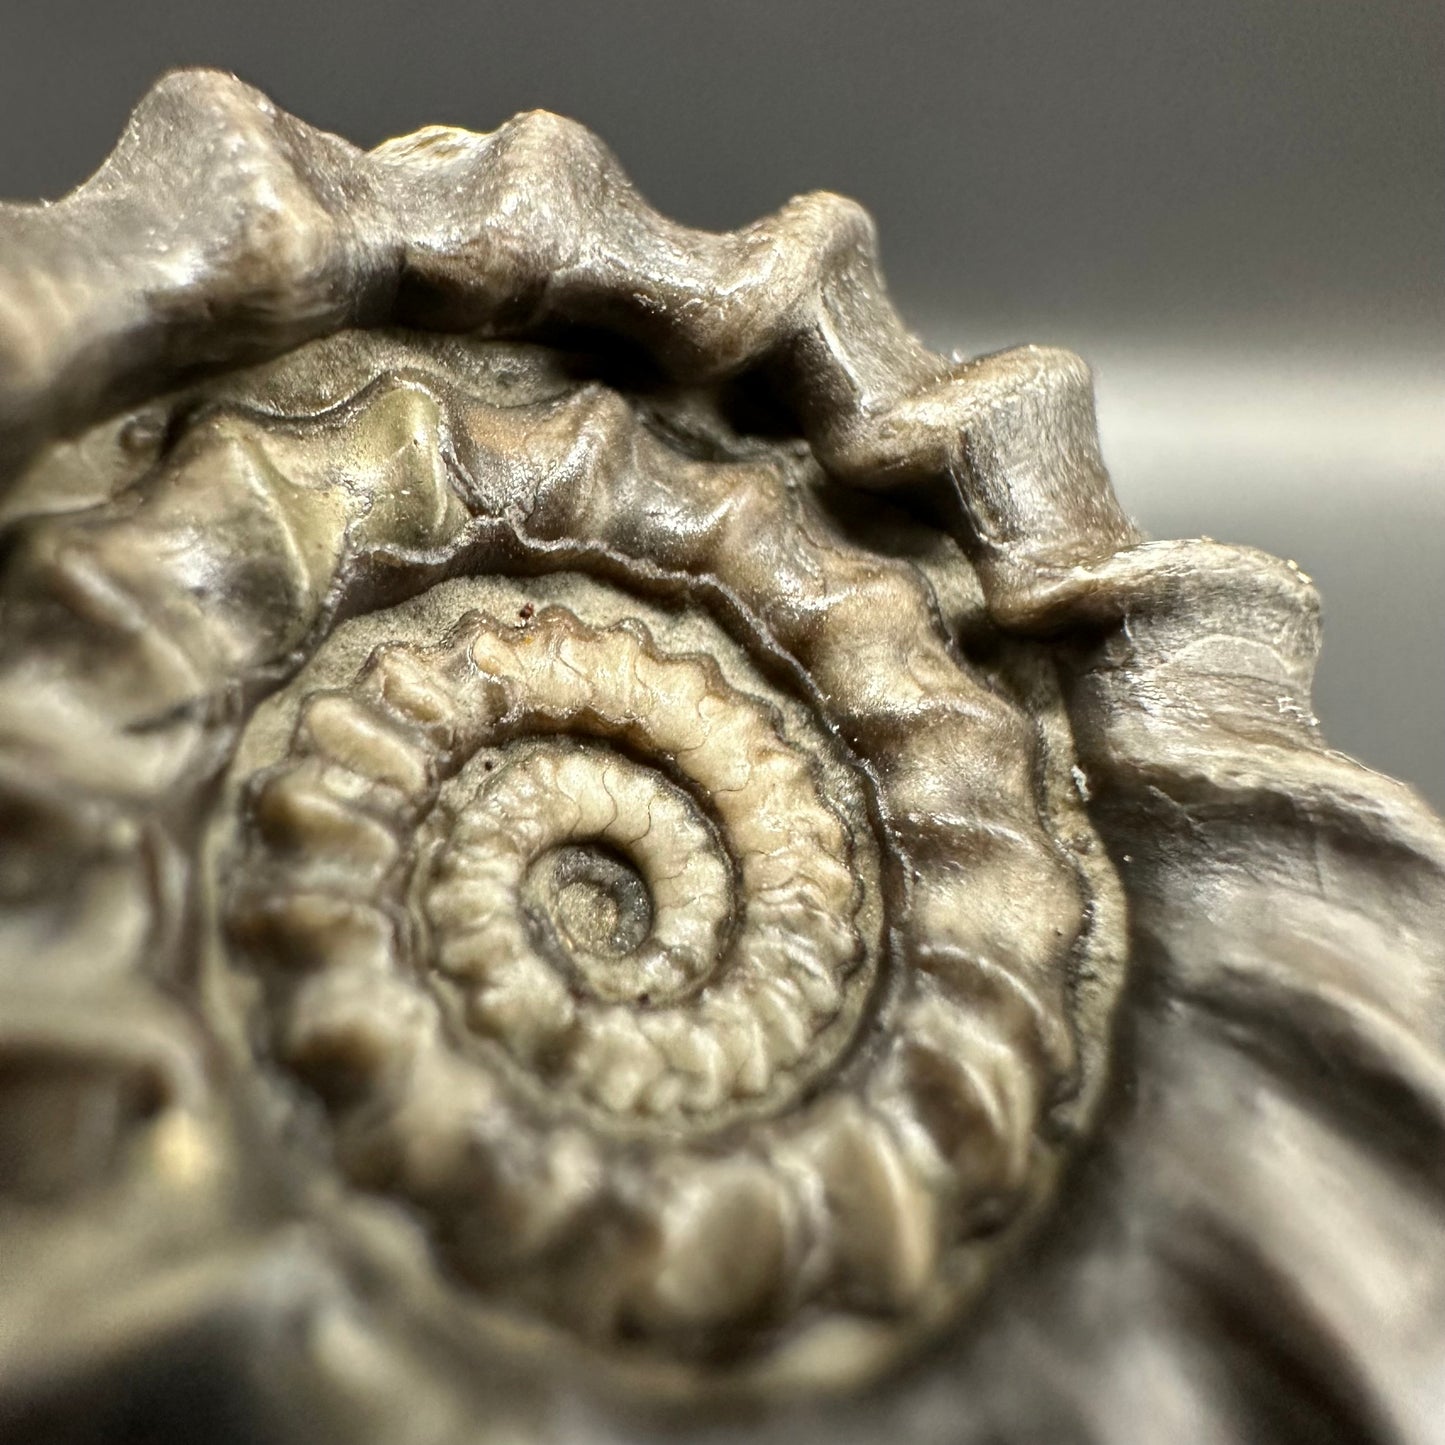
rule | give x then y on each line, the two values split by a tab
596	840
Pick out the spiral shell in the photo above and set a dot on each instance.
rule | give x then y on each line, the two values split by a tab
576	807
625	923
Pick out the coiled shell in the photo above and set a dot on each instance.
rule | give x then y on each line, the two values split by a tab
576	808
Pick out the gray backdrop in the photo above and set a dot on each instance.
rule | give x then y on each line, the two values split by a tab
1234	208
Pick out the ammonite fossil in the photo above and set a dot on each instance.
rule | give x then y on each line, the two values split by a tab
598	845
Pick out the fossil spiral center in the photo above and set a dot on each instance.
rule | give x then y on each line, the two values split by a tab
598	867
599	903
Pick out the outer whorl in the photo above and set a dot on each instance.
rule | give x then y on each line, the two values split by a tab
594	837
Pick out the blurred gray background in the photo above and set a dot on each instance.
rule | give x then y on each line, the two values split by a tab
1234	208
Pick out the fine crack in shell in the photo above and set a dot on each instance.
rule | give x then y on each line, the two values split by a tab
516	854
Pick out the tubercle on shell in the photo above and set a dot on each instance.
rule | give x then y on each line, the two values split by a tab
510	233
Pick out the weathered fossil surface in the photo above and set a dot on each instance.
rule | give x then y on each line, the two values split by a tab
597	845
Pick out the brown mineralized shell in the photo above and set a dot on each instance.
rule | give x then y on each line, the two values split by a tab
598	845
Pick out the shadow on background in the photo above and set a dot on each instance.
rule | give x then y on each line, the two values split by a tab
1235	209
